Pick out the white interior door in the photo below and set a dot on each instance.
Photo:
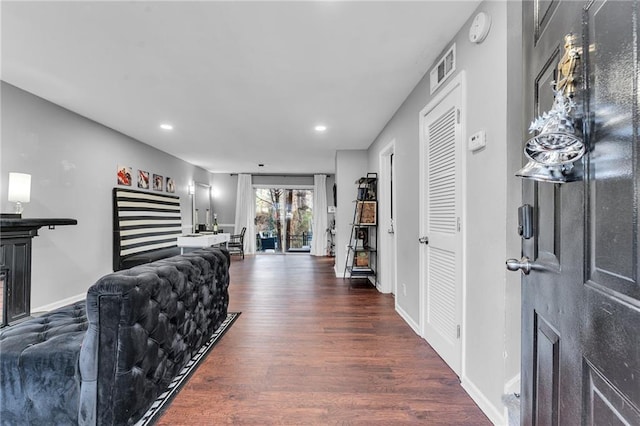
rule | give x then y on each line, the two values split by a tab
441	251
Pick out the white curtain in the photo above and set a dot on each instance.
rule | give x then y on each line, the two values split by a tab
246	212
319	228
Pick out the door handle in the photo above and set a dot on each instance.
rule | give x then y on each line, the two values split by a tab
523	265
423	240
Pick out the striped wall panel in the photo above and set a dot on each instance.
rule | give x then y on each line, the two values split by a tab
144	221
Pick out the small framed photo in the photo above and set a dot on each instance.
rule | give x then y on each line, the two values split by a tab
158	180
362	237
171	185
366	213
143	179
124	175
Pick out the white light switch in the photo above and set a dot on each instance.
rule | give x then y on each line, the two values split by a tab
477	141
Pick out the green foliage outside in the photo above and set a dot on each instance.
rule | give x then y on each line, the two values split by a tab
285	214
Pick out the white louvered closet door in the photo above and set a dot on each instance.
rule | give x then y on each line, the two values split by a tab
441	257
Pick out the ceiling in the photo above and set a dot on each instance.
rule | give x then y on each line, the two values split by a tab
242	83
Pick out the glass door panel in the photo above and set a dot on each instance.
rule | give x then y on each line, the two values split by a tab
284	219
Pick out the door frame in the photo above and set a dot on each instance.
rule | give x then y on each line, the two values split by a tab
388	282
458	81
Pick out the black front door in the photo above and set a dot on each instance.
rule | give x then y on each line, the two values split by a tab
581	300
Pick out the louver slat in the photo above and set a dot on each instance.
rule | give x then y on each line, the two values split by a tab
441	216
442	292
441	174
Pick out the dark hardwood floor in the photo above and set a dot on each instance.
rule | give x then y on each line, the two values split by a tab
309	350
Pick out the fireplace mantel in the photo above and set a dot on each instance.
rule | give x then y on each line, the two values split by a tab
16	234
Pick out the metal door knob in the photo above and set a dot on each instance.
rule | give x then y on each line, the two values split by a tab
423	240
523	265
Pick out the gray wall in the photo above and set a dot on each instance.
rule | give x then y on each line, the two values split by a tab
493	77
73	162
350	166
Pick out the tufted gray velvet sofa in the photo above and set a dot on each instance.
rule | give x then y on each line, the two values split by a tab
105	361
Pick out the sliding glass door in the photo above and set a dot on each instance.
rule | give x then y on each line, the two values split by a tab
283	220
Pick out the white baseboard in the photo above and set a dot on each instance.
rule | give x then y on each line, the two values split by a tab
494	414
381	288
60	303
407	318
513	385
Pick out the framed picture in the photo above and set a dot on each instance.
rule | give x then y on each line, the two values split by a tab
157	182
124	175
366	213
143	179
362	237
171	185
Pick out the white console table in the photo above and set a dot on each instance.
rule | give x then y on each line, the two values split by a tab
202	240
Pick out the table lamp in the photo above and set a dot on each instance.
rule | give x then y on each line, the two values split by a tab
19	189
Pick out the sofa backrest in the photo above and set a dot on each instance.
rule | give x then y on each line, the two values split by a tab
145	324
142	222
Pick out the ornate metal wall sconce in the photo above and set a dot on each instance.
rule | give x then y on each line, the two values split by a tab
555	148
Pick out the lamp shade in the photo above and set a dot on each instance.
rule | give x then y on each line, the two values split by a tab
19	187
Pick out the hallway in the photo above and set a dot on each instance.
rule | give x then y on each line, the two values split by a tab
308	350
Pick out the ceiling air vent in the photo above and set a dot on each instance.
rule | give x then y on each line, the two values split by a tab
443	69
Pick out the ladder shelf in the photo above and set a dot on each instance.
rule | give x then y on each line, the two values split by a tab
361	261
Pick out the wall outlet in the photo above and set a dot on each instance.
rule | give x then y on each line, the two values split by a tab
404	289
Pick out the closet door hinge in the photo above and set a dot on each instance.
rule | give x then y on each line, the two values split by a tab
458	332
458	116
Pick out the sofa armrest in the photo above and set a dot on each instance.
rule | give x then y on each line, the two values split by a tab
99	355
145	324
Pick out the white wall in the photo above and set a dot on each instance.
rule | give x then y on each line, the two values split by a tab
351	165
491	330
73	162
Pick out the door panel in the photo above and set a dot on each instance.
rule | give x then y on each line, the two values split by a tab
551	298
604	404
441	258
547	351
543	10
581	302
613	193
612	337
546	197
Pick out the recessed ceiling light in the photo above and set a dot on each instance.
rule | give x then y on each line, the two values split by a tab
166	126
320	128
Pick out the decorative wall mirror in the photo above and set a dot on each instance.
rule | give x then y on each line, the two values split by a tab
201	207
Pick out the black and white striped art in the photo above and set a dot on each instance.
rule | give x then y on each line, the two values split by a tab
144	221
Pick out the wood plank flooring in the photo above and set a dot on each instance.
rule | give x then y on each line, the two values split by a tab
307	349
